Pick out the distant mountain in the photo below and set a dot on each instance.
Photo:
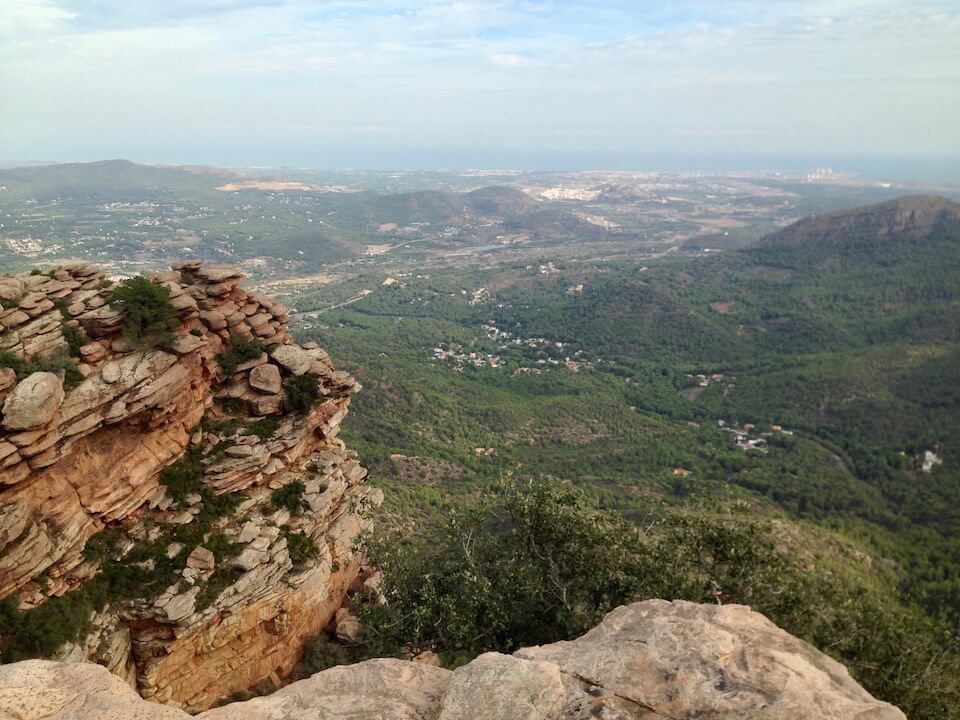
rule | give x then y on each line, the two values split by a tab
870	275
881	233
112	179
499	200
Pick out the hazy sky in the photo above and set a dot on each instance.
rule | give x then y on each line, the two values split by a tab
475	82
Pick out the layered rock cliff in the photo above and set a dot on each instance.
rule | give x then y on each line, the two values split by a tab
178	478
652	660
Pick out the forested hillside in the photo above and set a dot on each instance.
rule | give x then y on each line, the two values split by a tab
808	380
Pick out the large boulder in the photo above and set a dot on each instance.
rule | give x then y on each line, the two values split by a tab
11	288
293	358
44	690
681	660
33	402
266	378
500	687
219	273
373	690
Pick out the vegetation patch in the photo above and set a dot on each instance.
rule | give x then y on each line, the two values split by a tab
149	318
302	548
184	477
302	391
264	428
240	350
290	496
56	364
222	578
75	338
535	564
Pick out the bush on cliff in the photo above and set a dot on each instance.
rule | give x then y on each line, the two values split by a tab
149	317
240	350
534	564
302	548
55	364
302	391
290	496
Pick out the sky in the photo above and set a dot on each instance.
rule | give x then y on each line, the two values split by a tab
480	83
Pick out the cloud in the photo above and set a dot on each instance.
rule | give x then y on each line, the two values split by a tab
606	73
512	60
28	17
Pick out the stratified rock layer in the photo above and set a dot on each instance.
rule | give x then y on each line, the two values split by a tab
653	660
77	460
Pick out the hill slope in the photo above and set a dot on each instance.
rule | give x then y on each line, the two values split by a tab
113	180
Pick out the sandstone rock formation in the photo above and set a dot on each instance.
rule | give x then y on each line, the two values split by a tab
243	581
648	661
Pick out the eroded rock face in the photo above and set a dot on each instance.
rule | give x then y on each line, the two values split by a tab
76	462
653	660
33	402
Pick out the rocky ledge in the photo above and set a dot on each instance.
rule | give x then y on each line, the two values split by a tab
653	660
176	464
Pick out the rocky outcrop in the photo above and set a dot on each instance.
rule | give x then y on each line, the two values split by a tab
33	402
653	660
242	579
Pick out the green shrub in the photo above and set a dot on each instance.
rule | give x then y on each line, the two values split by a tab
39	632
184	477
222	578
219	544
302	548
149	316
75	338
11	360
264	428
102	545
241	349
535	565
56	364
290	496
302	391
321	653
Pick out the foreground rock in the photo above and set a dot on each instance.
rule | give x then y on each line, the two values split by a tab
647	661
681	660
41	689
88	458
388	689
